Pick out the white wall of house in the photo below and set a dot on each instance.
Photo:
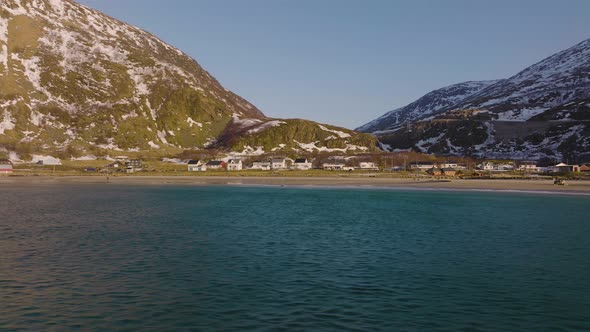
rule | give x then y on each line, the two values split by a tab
302	166
197	168
261	165
528	168
504	167
487	166
332	166
449	165
234	165
279	164
368	165
421	166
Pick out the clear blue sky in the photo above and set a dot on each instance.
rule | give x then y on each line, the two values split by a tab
346	62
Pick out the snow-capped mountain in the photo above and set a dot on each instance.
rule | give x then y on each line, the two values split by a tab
73	79
543	111
429	105
554	82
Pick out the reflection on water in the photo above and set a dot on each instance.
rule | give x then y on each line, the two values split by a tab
105	258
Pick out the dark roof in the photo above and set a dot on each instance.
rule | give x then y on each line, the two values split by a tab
214	163
300	161
5	162
193	162
422	163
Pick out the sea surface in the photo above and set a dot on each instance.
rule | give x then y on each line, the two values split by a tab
188	258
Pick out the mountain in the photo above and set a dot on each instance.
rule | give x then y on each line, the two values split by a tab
431	104
75	81
543	111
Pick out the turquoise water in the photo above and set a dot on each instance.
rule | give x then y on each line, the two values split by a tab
180	258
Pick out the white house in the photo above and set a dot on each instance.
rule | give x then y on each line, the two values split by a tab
528	167
279	163
5	166
504	167
302	164
196	166
261	165
368	165
334	166
487	166
133	165
234	165
565	168
448	165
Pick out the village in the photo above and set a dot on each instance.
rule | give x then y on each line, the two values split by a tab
401	164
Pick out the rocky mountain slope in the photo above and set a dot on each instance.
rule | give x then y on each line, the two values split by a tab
73	79
543	111
429	105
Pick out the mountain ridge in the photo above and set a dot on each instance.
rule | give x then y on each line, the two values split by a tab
548	104
432	103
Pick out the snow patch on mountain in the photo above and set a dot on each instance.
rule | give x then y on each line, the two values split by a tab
313	146
424	144
266	125
340	134
7	122
520	115
246	122
192	122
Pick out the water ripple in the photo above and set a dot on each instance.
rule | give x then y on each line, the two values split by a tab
115	258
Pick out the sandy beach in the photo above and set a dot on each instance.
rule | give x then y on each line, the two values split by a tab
533	185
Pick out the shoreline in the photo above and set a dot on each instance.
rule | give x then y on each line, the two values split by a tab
539	186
